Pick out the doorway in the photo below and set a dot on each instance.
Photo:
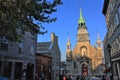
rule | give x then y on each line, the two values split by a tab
84	69
18	71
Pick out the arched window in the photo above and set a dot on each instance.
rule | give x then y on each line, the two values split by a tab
81	24
84	23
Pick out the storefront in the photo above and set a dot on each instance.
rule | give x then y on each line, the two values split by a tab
43	66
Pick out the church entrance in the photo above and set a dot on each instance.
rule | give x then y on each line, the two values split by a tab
84	69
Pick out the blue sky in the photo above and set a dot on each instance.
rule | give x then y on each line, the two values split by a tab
67	22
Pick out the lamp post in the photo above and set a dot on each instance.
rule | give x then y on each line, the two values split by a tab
109	51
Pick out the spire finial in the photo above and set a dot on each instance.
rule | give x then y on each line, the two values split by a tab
68	37
98	40
98	36
81	19
68	43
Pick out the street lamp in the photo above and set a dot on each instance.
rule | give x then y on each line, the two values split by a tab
109	51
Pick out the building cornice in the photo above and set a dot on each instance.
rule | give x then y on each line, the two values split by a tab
105	6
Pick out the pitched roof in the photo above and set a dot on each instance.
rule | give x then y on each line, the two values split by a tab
43	46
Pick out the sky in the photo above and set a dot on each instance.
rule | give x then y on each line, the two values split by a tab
67	22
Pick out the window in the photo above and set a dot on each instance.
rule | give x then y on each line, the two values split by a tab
4	44
32	50
119	41
21	47
116	19
119	11
119	38
32	35
119	65
111	7
81	24
68	47
108	15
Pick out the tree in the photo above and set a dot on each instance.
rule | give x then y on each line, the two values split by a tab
22	14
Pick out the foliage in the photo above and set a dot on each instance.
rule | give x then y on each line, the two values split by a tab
22	14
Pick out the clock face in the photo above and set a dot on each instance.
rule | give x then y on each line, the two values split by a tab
83	51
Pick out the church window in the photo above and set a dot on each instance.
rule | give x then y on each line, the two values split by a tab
68	47
81	24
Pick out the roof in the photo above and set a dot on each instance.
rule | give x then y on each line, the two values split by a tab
81	19
43	47
44	55
105	6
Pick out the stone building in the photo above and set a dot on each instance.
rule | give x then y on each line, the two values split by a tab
63	69
111	10
14	56
84	59
52	48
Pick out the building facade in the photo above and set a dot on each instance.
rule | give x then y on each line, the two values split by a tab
15	56
52	48
84	59
43	65
63	69
111	10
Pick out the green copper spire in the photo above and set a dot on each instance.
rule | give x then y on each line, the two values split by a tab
81	19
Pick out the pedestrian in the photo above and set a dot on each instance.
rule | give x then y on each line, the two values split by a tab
103	77
64	78
30	71
36	76
69	78
42	75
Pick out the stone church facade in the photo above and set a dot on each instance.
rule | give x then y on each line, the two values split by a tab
84	59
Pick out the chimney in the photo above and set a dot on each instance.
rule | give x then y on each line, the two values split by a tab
54	38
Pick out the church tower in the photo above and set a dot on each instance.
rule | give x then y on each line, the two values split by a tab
84	59
98	42
68	50
99	49
82	34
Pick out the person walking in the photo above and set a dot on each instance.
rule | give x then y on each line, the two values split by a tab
42	76
30	71
64	78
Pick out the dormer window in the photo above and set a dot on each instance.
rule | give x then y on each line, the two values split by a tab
20	47
81	24
4	44
84	23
